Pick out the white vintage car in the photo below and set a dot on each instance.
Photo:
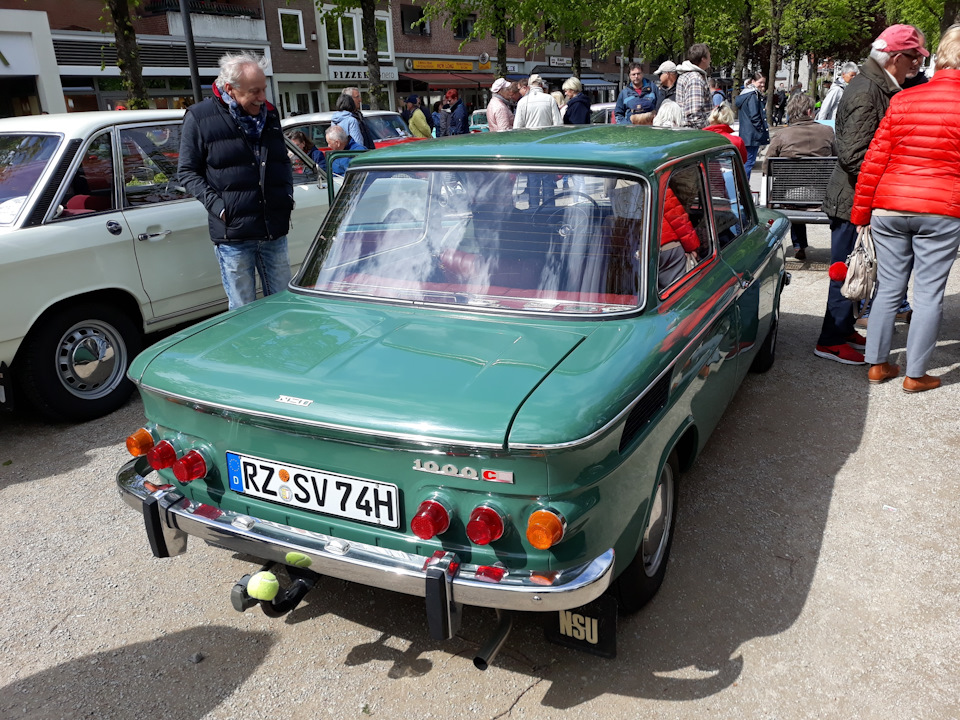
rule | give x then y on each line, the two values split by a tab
99	245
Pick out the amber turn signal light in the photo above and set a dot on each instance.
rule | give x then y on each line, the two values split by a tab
140	443
545	529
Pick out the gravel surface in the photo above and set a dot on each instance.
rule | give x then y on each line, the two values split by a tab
814	575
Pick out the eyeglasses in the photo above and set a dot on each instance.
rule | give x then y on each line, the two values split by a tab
912	57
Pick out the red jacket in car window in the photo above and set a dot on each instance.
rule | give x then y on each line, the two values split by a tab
676	226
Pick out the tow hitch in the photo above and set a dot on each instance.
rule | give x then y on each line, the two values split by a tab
301	582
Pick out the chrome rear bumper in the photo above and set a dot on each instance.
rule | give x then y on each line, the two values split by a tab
170	517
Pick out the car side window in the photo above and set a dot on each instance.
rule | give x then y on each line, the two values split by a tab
150	156
730	212
316	133
90	190
684	226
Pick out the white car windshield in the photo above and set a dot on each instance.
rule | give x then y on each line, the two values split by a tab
23	159
568	243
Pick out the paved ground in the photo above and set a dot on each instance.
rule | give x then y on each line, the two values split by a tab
814	575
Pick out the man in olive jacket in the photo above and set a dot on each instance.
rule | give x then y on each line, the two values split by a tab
234	160
896	55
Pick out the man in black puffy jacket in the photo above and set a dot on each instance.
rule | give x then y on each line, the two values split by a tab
234	160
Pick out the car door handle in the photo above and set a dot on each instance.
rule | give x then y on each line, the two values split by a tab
746	279
153	236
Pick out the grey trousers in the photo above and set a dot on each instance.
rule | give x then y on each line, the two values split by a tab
931	242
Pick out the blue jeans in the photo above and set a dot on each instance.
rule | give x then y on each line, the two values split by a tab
838	319
752	152
241	261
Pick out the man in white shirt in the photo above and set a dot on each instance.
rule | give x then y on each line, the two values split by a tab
536	109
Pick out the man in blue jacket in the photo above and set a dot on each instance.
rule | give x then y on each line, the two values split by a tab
630	96
234	160
753	119
337	139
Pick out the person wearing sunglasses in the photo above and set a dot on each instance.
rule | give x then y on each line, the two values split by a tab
895	55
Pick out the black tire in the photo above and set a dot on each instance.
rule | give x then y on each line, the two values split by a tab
767	354
642	578
73	365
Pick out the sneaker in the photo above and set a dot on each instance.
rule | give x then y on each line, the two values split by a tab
800	254
857	341
840	353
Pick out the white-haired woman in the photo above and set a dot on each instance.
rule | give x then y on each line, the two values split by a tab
669	115
578	105
720	121
906	191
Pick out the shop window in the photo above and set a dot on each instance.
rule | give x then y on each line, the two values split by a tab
464	28
409	16
291	29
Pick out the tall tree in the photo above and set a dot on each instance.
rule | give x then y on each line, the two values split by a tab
117	17
371	40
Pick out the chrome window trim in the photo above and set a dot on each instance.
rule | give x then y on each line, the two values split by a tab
643	285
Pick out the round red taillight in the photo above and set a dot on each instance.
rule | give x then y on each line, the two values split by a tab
190	467
162	455
432	519
485	525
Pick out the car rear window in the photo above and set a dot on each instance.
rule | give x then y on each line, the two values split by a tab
527	240
23	158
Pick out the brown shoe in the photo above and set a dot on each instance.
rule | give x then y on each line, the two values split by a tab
922	384
882	372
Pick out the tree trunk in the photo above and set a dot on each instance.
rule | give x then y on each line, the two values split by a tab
688	28
371	45
776	17
812	77
577	47
746	41
951	14
500	33
128	54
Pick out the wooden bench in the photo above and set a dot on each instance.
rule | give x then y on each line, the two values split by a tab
796	187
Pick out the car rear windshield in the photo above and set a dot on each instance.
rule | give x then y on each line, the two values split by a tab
23	159
527	240
387	127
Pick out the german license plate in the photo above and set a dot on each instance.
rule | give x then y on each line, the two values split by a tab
366	501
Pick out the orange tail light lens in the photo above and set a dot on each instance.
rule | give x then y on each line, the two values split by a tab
140	443
545	529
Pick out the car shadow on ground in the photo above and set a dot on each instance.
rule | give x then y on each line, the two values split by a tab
187	686
750	526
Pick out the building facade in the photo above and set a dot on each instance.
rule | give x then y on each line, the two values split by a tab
62	58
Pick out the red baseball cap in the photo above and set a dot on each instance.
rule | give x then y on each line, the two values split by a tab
898	38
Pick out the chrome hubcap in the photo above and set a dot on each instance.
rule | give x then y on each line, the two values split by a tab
91	358
659	524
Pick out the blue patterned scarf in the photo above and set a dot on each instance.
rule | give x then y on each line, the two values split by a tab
252	125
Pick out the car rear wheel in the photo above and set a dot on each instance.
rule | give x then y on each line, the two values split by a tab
642	578
74	364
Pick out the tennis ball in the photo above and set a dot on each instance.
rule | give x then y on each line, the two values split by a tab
263	586
297	559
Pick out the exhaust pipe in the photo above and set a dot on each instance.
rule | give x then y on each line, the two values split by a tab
496	640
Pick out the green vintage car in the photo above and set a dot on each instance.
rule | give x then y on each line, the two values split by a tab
481	388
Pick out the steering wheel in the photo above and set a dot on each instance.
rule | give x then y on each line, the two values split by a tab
568	219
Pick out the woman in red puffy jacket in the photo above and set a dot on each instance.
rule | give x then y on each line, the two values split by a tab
908	192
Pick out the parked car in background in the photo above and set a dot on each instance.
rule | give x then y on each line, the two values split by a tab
100	244
386	127
602	113
483	384
478	121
